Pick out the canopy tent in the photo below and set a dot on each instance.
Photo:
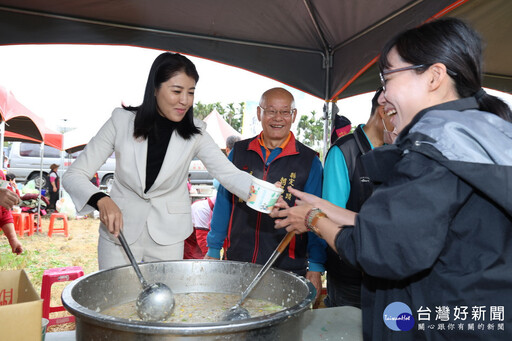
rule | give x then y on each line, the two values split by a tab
23	124
76	139
318	46
219	129
327	48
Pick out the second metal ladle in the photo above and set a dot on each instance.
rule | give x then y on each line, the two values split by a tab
237	312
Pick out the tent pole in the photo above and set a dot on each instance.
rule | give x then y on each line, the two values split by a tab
41	154
327	66
61	167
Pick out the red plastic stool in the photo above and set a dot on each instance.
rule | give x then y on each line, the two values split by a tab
38	226
51	276
63	229
28	223
16	217
23	222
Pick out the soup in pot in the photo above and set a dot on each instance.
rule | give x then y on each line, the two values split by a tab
199	308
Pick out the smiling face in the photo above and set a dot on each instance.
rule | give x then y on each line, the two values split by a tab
406	94
276	127
175	96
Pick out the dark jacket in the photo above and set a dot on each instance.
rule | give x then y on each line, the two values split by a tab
353	146
437	233
251	235
344	279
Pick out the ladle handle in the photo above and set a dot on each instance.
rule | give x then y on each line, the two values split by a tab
284	243
277	252
126	248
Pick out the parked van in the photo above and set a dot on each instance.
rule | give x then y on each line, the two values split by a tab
25	162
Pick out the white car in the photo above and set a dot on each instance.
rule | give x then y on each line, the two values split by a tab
25	163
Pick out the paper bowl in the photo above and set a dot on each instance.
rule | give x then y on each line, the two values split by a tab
263	196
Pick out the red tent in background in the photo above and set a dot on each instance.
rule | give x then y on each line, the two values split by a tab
219	129
23	124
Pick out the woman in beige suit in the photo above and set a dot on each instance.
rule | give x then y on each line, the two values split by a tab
153	144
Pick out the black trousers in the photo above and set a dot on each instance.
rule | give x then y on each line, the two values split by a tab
54	196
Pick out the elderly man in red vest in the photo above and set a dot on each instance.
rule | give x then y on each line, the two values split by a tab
273	155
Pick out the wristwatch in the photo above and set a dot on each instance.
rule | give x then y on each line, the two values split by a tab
312	218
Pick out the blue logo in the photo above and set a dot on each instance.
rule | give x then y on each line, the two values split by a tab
398	317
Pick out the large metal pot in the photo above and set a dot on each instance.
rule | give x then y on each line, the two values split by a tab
87	296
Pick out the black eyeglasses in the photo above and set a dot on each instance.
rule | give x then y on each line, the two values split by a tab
387	72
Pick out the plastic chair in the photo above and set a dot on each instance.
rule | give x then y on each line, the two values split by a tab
23	222
51	276
64	229
28	220
35	222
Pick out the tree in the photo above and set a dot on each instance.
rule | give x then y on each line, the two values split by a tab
310	130
229	113
202	110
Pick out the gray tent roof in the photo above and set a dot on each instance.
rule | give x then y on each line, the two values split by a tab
322	47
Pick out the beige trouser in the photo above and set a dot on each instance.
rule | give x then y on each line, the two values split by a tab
145	249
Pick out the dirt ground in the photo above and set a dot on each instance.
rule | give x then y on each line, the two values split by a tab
42	252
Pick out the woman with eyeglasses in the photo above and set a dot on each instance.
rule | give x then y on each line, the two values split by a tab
435	238
154	144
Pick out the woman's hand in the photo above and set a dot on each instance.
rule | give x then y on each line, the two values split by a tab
294	216
110	215
303	197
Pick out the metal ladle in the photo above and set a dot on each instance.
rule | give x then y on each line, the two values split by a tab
156	301
237	312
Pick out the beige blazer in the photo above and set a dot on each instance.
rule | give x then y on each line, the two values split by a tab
166	206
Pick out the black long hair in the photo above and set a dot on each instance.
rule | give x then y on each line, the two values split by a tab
455	44
164	67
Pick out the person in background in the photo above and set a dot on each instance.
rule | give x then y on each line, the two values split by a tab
436	233
347	184
154	144
195	244
12	183
230	142
191	189
341	126
7	200
389	135
95	180
274	156
54	185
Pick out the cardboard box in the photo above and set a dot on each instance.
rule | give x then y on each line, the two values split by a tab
21	308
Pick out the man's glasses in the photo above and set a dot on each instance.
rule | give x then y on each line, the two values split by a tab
273	113
387	72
